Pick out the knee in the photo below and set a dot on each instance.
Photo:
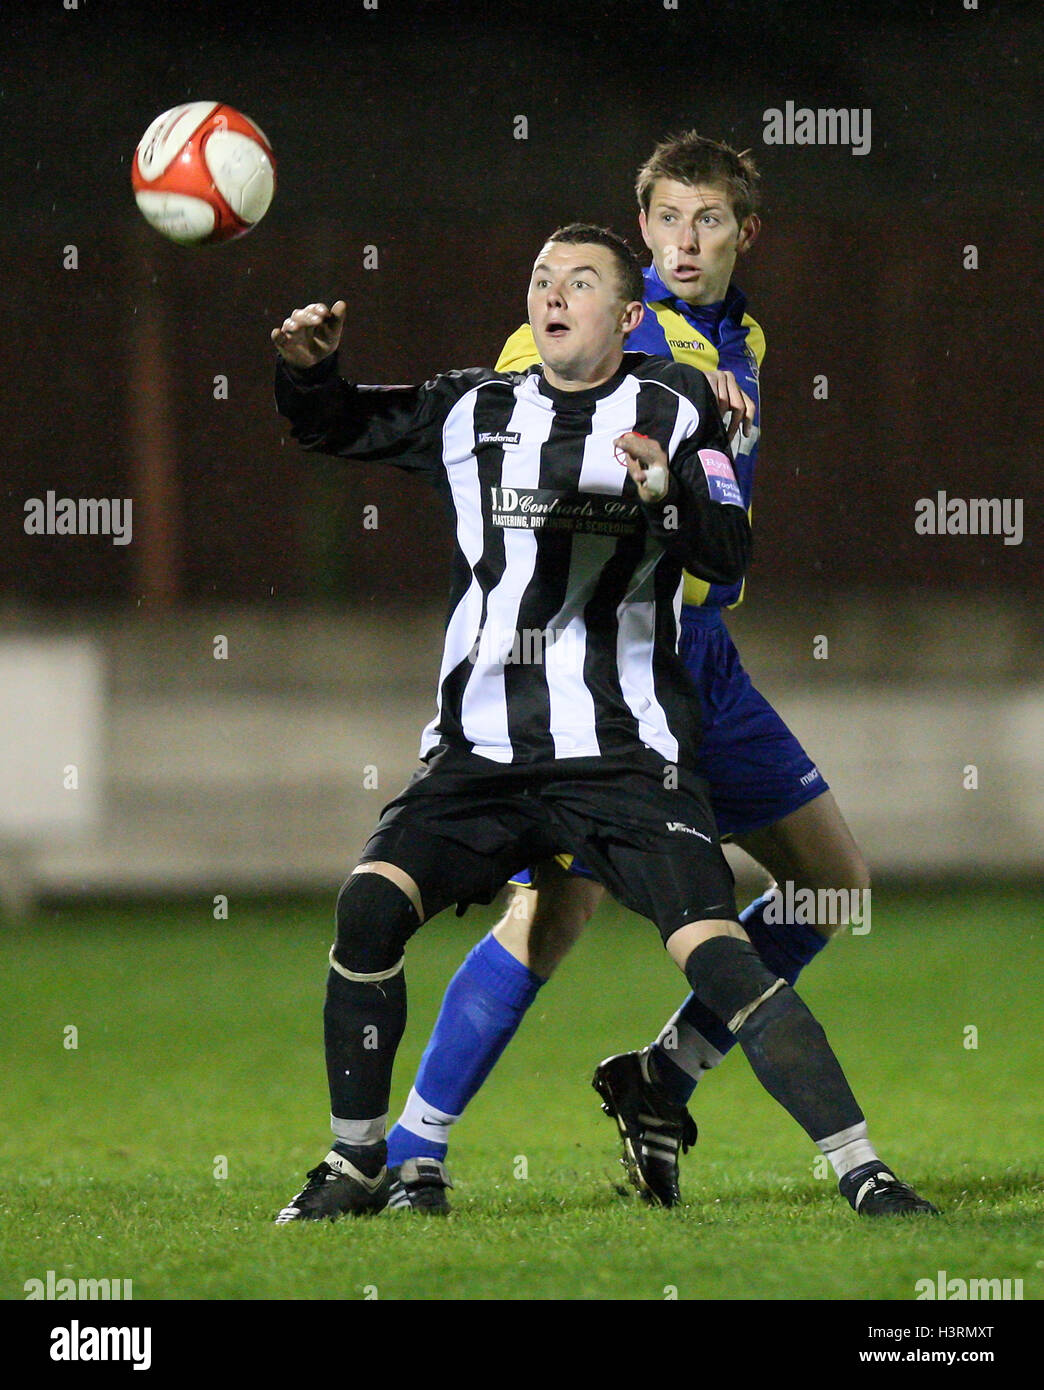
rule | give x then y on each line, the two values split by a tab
856	906
859	874
562	917
833	873
838	883
375	919
730	978
846	901
557	917
565	902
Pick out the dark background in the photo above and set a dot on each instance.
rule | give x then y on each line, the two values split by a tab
394	128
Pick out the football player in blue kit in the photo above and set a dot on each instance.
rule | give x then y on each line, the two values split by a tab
697	213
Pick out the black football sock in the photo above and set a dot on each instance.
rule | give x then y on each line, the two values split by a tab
363	1023
795	1063
784	1044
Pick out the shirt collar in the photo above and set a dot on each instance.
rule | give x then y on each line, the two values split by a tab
563	400
732	306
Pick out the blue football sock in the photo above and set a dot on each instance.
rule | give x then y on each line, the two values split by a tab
700	1040
481	1011
785	947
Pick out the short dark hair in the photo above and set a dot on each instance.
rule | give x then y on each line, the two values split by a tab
692	158
629	277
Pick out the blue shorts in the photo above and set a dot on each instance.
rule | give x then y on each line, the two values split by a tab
756	769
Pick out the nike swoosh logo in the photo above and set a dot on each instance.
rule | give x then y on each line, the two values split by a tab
426	1121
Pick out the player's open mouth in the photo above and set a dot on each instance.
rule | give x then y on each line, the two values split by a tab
555	330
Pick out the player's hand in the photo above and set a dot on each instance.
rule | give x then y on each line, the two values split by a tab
732	401
646	462
310	334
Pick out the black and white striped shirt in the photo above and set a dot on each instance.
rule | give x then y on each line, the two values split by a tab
562	634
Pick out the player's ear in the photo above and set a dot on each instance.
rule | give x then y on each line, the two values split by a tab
632	316
643	226
748	233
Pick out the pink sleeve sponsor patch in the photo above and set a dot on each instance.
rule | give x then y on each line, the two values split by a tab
721	478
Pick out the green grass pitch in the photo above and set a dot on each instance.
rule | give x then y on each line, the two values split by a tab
198	1054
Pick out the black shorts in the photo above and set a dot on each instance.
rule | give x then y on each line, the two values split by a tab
464	825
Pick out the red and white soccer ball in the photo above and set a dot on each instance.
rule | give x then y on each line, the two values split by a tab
203	173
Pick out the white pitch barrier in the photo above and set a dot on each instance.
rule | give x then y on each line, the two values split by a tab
52	700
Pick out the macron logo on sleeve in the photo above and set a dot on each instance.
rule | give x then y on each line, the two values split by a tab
721	479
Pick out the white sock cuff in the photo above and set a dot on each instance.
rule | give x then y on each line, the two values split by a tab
848	1148
693	1053
359	1132
842	1137
426	1121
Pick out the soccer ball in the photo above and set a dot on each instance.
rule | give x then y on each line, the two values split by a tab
203	173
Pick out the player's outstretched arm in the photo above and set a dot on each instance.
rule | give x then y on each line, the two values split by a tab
310	334
329	414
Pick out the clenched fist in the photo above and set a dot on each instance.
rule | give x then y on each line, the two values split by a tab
310	334
646	462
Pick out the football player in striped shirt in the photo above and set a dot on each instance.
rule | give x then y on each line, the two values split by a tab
587	738
697	213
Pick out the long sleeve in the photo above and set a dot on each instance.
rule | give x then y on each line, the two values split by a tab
702	522
400	425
